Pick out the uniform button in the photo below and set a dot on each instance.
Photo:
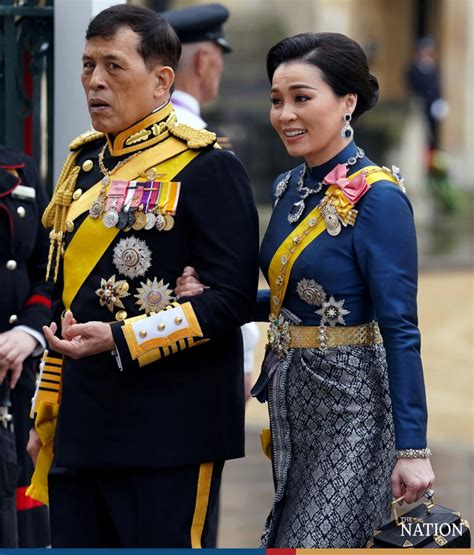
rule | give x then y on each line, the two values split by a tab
178	320
161	327
13	319
21	211
11	265
121	315
142	333
77	194
87	165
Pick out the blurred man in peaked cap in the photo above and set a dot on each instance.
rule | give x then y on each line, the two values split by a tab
198	77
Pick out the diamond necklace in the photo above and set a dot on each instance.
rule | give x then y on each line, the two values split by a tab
98	205
298	207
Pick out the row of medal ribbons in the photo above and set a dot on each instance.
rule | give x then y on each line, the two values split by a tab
140	205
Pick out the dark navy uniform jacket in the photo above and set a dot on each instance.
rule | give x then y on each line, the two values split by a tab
372	268
25	300
188	407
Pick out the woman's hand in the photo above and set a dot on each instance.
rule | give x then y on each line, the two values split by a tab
188	284
34	445
411	478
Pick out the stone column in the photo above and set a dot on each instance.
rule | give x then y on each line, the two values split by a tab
71	118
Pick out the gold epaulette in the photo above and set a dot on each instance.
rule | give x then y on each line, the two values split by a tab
85	138
195	138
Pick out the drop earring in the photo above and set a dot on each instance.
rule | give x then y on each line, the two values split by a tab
347	132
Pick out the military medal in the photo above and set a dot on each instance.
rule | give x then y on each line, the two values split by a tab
150	221
150	196
111	292
160	222
153	296
169	222
122	220
111	216
98	205
132	257
114	203
333	225
97	208
131	219
140	220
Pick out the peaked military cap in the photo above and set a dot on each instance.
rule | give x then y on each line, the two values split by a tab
198	23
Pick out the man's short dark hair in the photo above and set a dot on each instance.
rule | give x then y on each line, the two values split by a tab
159	43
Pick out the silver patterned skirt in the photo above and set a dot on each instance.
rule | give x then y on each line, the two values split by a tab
332	447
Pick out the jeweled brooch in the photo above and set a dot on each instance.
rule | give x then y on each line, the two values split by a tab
311	292
332	312
111	292
153	296
132	257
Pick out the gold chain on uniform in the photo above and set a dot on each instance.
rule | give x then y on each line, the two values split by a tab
98	205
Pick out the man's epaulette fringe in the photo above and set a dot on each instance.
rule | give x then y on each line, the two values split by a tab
56	212
194	138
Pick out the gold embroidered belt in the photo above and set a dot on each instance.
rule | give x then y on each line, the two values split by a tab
283	336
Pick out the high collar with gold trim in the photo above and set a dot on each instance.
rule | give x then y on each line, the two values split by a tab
143	134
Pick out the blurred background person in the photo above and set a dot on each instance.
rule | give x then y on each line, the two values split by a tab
199	73
424	81
24	308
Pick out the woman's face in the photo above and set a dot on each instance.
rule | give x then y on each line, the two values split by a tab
307	114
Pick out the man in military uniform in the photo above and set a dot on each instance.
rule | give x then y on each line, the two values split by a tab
25	306
198	77
151	390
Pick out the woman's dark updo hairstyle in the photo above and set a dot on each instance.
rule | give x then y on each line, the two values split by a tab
341	60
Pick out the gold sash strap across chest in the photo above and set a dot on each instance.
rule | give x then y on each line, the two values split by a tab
82	254
301	236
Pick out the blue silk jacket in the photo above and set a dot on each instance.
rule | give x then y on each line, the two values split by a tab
370	271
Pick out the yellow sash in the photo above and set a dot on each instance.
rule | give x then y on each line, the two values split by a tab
300	237
92	238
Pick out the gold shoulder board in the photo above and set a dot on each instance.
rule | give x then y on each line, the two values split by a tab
85	138
195	138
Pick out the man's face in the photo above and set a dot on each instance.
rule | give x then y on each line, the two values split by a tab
120	89
214	69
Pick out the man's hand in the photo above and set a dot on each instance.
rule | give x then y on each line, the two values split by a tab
411	478
15	347
188	284
34	445
80	340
